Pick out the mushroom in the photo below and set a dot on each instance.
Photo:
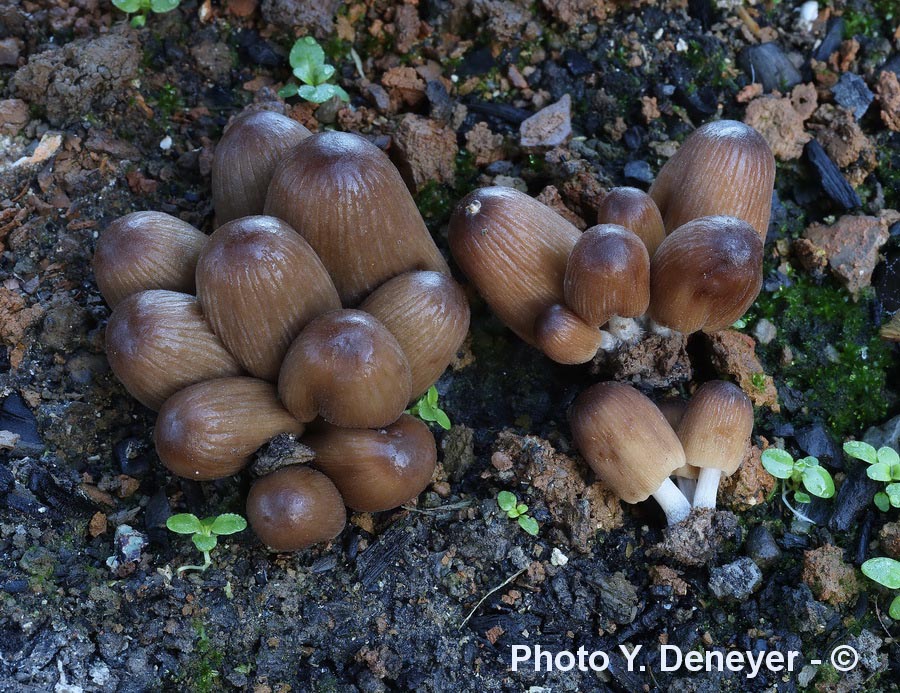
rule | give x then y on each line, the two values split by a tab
514	249
376	469
259	284
715	434
724	167
157	342
346	367
607	280
685	477
630	446
428	314
344	196
565	337
245	160
294	508
146	250
636	211
705	274
210	430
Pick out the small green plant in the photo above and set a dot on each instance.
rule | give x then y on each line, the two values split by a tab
884	465
308	62
796	475
885	571
140	8
515	510
427	409
204	533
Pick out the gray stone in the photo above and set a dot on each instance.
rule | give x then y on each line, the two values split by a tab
886	434
761	547
618	598
549	127
764	331
851	93
9	51
639	171
766	63
737	580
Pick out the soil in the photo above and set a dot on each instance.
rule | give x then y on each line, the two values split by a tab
98	119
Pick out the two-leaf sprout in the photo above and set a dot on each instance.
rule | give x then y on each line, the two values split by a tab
885	571
308	62
204	533
142	7
884	465
515	510
427	409
797	475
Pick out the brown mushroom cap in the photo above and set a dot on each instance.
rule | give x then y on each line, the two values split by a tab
514	249
146	250
716	426
636	211
705	274
157	342
210	430
346	367
376	469
295	507
565	337
344	196
259	284
724	167
245	160
428	314
608	274
625	439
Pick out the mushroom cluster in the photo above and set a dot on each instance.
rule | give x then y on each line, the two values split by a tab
686	257
635	446
319	302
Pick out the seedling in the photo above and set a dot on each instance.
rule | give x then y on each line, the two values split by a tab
205	533
142	7
515	510
796	475
885	571
308	62
884	465
427	409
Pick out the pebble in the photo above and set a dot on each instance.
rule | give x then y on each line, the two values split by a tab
851	93
831	41
639	171
129	453
128	544
13	116
578	65
767	64
761	547
557	557
809	12
737	580
549	127
814	440
886	434
764	331
833	182
9	51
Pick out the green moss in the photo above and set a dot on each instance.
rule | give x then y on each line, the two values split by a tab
839	362
888	172
436	201
873	22
203	673
168	100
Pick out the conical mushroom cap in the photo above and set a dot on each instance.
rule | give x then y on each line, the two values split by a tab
625	439
716	426
636	211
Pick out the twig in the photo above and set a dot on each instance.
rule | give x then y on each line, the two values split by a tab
481	601
878	614
439	509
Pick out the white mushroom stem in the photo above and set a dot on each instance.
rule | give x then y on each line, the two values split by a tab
672	501
688	486
707	487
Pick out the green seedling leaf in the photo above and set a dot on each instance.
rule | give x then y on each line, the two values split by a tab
129	6
529	524
228	523
882	501
778	463
323	74
432	396
885	571
306	58
521	508
513	514
801	497
442	420
506	500
184	523
818	482
861	451
895	472
888	456
138	21
879	472
320	93
894	610
808	462
161	6
204	542
893	494
288	90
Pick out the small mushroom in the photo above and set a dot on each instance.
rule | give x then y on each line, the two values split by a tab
715	433
629	444
376	469
259	284
428	314
344	196
157	342
636	211
514	249
565	337
210	430
245	160
705	274
294	508
146	250
685	477
724	167
346	367
608	279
